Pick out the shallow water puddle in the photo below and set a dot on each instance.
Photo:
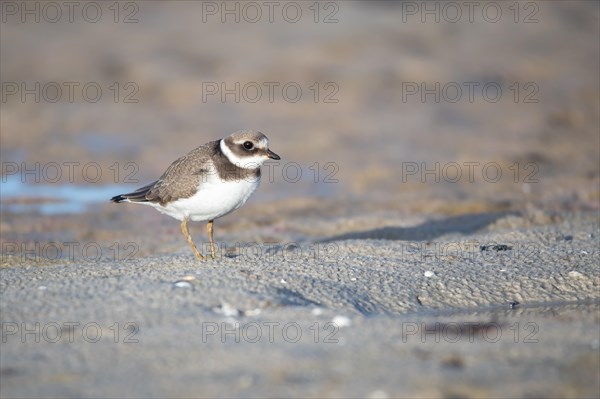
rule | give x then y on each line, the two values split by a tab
52	199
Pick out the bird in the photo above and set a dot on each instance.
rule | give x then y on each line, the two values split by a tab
209	182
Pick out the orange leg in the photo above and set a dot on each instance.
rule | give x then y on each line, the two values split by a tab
186	233
209	227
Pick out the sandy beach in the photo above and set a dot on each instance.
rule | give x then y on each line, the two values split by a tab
413	241
372	315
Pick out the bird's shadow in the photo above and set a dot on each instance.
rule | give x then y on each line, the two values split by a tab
431	229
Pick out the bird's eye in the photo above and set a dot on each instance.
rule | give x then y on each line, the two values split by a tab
248	145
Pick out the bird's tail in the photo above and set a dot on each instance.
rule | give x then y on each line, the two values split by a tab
138	195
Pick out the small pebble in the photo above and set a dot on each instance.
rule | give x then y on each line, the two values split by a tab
429	273
497	248
227	310
501	247
252	312
341	321
182	284
575	274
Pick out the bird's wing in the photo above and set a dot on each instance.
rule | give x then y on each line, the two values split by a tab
182	177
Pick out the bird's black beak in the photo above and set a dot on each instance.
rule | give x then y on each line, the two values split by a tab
272	155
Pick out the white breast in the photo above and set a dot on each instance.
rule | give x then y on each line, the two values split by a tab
215	198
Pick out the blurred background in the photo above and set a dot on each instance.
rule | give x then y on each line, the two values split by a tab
500	104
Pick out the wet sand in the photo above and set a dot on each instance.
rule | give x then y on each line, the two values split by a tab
477	308
364	266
